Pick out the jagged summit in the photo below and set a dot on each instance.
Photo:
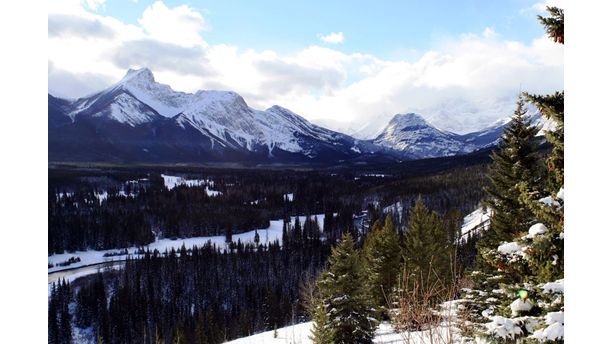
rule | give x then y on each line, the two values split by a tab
140	73
408	120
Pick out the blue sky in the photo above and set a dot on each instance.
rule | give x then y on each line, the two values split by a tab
388	29
343	64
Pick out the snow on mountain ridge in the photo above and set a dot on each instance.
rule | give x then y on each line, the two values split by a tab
411	133
408	119
125	111
224	118
166	101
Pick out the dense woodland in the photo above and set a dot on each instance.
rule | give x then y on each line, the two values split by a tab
197	295
133	213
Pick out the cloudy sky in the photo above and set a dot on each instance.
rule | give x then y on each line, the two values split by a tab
342	63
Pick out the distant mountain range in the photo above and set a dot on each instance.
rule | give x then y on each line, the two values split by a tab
139	120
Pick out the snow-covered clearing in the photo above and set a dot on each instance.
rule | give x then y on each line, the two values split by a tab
376	175
476	220
385	333
90	257
170	182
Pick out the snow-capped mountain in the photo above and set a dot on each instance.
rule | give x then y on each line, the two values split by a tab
139	119
412	134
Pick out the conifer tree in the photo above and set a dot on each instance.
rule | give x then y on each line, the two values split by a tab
552	107
256	239
53	331
554	24
522	298
515	162
427	250
348	310
382	256
547	206
320	333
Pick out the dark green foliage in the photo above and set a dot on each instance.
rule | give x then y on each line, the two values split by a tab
198	295
517	161
428	252
348	310
59	327
535	257
321	331
554	24
551	244
381	261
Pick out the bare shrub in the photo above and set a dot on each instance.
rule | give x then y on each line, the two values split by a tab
416	309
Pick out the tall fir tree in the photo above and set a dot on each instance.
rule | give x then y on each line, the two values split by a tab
427	250
517	161
349	315
547	205
381	261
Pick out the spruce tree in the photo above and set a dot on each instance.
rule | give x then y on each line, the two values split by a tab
521	298
554	24
321	332
427	250
516	162
547	206
381	256
348	310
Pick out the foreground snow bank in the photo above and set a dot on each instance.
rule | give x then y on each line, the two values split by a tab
385	333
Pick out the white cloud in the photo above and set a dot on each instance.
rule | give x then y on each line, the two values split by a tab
542	5
333	38
489	32
465	83
95	4
179	25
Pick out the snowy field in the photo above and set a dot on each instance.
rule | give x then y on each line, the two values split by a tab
385	334
90	257
170	182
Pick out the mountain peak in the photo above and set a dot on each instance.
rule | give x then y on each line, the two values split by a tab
408	119
142	74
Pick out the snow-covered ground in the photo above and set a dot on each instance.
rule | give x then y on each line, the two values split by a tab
73	274
476	220
170	182
385	334
90	257
300	333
